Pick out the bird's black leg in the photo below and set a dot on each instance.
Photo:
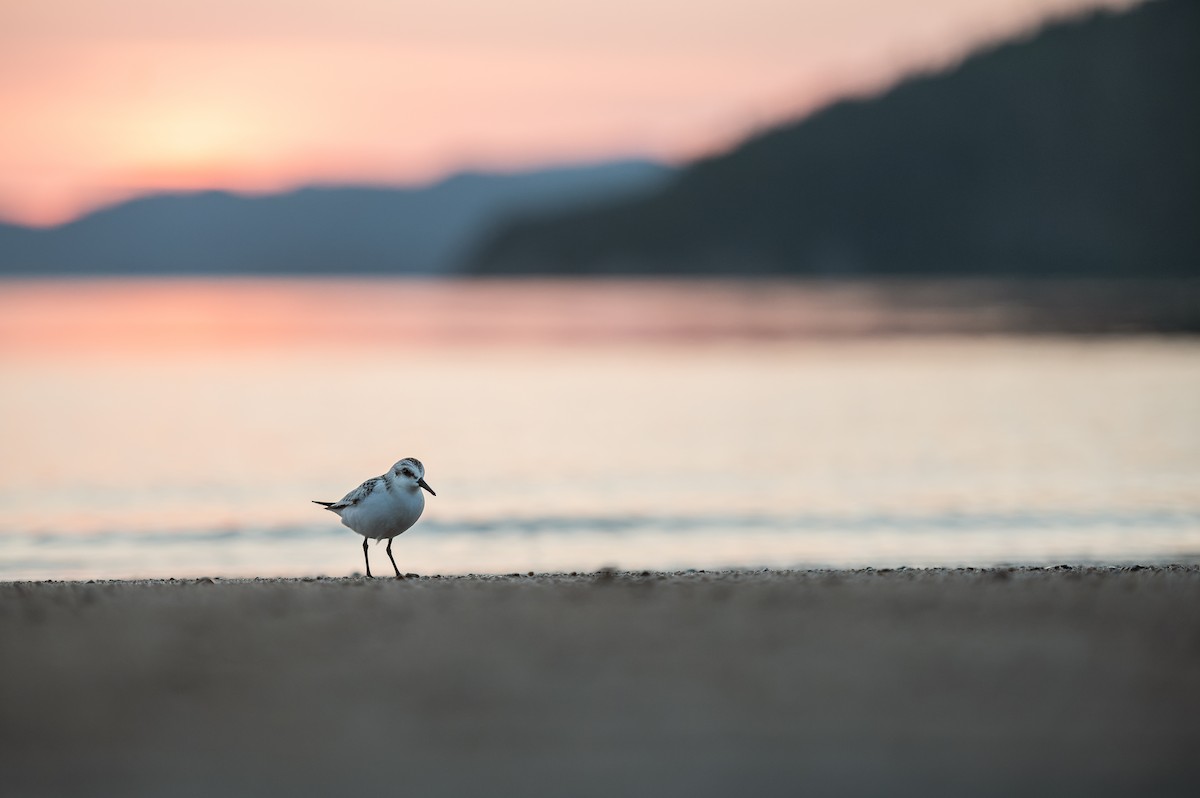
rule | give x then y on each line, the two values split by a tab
393	559
367	559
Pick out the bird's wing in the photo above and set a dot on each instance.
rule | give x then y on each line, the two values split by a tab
355	496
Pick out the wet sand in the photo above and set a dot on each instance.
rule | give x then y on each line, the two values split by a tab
1079	681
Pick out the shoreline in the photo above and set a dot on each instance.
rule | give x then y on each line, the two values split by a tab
1055	681
603	575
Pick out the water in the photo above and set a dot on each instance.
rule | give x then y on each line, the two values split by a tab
180	428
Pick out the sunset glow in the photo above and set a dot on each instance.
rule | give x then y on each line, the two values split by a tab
106	100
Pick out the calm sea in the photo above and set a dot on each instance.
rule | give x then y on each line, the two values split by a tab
181	428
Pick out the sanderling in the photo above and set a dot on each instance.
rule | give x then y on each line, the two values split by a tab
384	506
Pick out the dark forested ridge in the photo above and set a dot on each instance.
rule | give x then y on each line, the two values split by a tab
1071	153
313	230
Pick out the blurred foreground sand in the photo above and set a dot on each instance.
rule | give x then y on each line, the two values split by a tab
1051	682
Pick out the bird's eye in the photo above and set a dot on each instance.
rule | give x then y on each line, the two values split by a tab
407	473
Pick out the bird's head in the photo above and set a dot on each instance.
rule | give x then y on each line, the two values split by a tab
410	472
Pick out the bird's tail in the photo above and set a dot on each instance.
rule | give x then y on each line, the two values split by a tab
323	504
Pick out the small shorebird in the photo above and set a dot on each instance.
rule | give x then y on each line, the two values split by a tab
384	506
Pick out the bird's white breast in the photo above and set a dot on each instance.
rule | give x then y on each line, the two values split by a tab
386	512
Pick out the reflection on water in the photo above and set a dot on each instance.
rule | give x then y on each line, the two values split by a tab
180	428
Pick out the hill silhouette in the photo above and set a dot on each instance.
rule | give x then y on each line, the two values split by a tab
1071	153
311	230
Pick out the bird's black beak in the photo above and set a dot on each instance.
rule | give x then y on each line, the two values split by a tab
425	485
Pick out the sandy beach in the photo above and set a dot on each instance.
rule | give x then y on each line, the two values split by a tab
1067	681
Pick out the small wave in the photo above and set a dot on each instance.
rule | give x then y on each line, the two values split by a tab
947	523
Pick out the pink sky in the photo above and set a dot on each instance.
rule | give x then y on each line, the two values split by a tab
103	99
